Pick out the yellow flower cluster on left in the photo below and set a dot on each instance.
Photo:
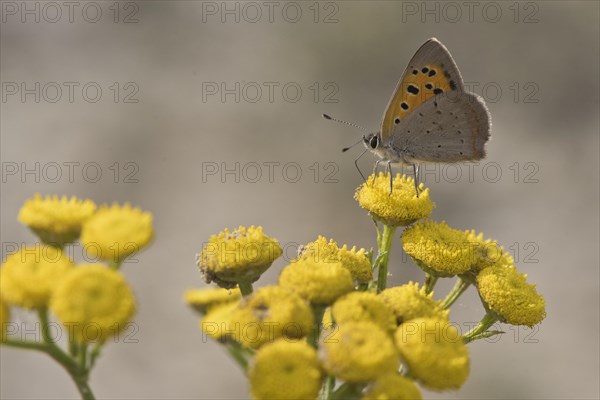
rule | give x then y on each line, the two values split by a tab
93	301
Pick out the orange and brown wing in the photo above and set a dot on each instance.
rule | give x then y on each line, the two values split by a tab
431	71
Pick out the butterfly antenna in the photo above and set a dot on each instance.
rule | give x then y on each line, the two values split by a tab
329	117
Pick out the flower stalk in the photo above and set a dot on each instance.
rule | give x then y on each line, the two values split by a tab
381	263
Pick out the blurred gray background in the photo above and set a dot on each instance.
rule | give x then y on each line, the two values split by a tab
159	130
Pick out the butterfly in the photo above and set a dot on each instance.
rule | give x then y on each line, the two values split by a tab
430	117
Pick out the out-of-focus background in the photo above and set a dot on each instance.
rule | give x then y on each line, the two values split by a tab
160	103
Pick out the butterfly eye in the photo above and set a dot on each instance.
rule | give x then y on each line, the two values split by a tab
374	142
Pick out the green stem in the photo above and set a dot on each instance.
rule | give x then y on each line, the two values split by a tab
315	332
78	372
486	322
245	288
348	391
459	288
328	387
79	377
385	246
430	281
239	354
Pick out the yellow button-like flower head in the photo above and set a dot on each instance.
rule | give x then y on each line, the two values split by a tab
400	208
439	249
202	300
359	352
507	293
270	313
434	353
93	302
239	256
285	370
56	221
116	232
353	260
392	387
364	306
29	276
409	302
320	282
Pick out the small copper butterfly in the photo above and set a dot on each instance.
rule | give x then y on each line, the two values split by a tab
430	117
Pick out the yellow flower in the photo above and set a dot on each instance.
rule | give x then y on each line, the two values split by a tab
93	302
359	352
507	293
364	306
318	281
488	252
409	302
439	249
270	313
216	323
392	387
353	260
285	370
239	256
56	221
4	318
400	208
202	300
116	232
434	353
29	276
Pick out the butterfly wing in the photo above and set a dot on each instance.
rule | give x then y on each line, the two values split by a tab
431	71
447	128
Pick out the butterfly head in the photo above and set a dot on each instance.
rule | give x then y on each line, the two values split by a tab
372	141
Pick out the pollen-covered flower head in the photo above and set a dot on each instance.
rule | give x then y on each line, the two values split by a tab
270	313
364	306
507	293
4	318
488	252
401	207
355	261
94	302
409	302
359	352
30	275
116	232
285	370
434	353
202	300
392	386
56	221
241	255
439	249
319	282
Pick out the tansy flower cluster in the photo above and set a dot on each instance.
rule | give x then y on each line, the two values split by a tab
93	301
331	328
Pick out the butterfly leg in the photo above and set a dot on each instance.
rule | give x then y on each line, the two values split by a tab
416	175
375	171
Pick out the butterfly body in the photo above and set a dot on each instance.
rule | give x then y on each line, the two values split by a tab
430	117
